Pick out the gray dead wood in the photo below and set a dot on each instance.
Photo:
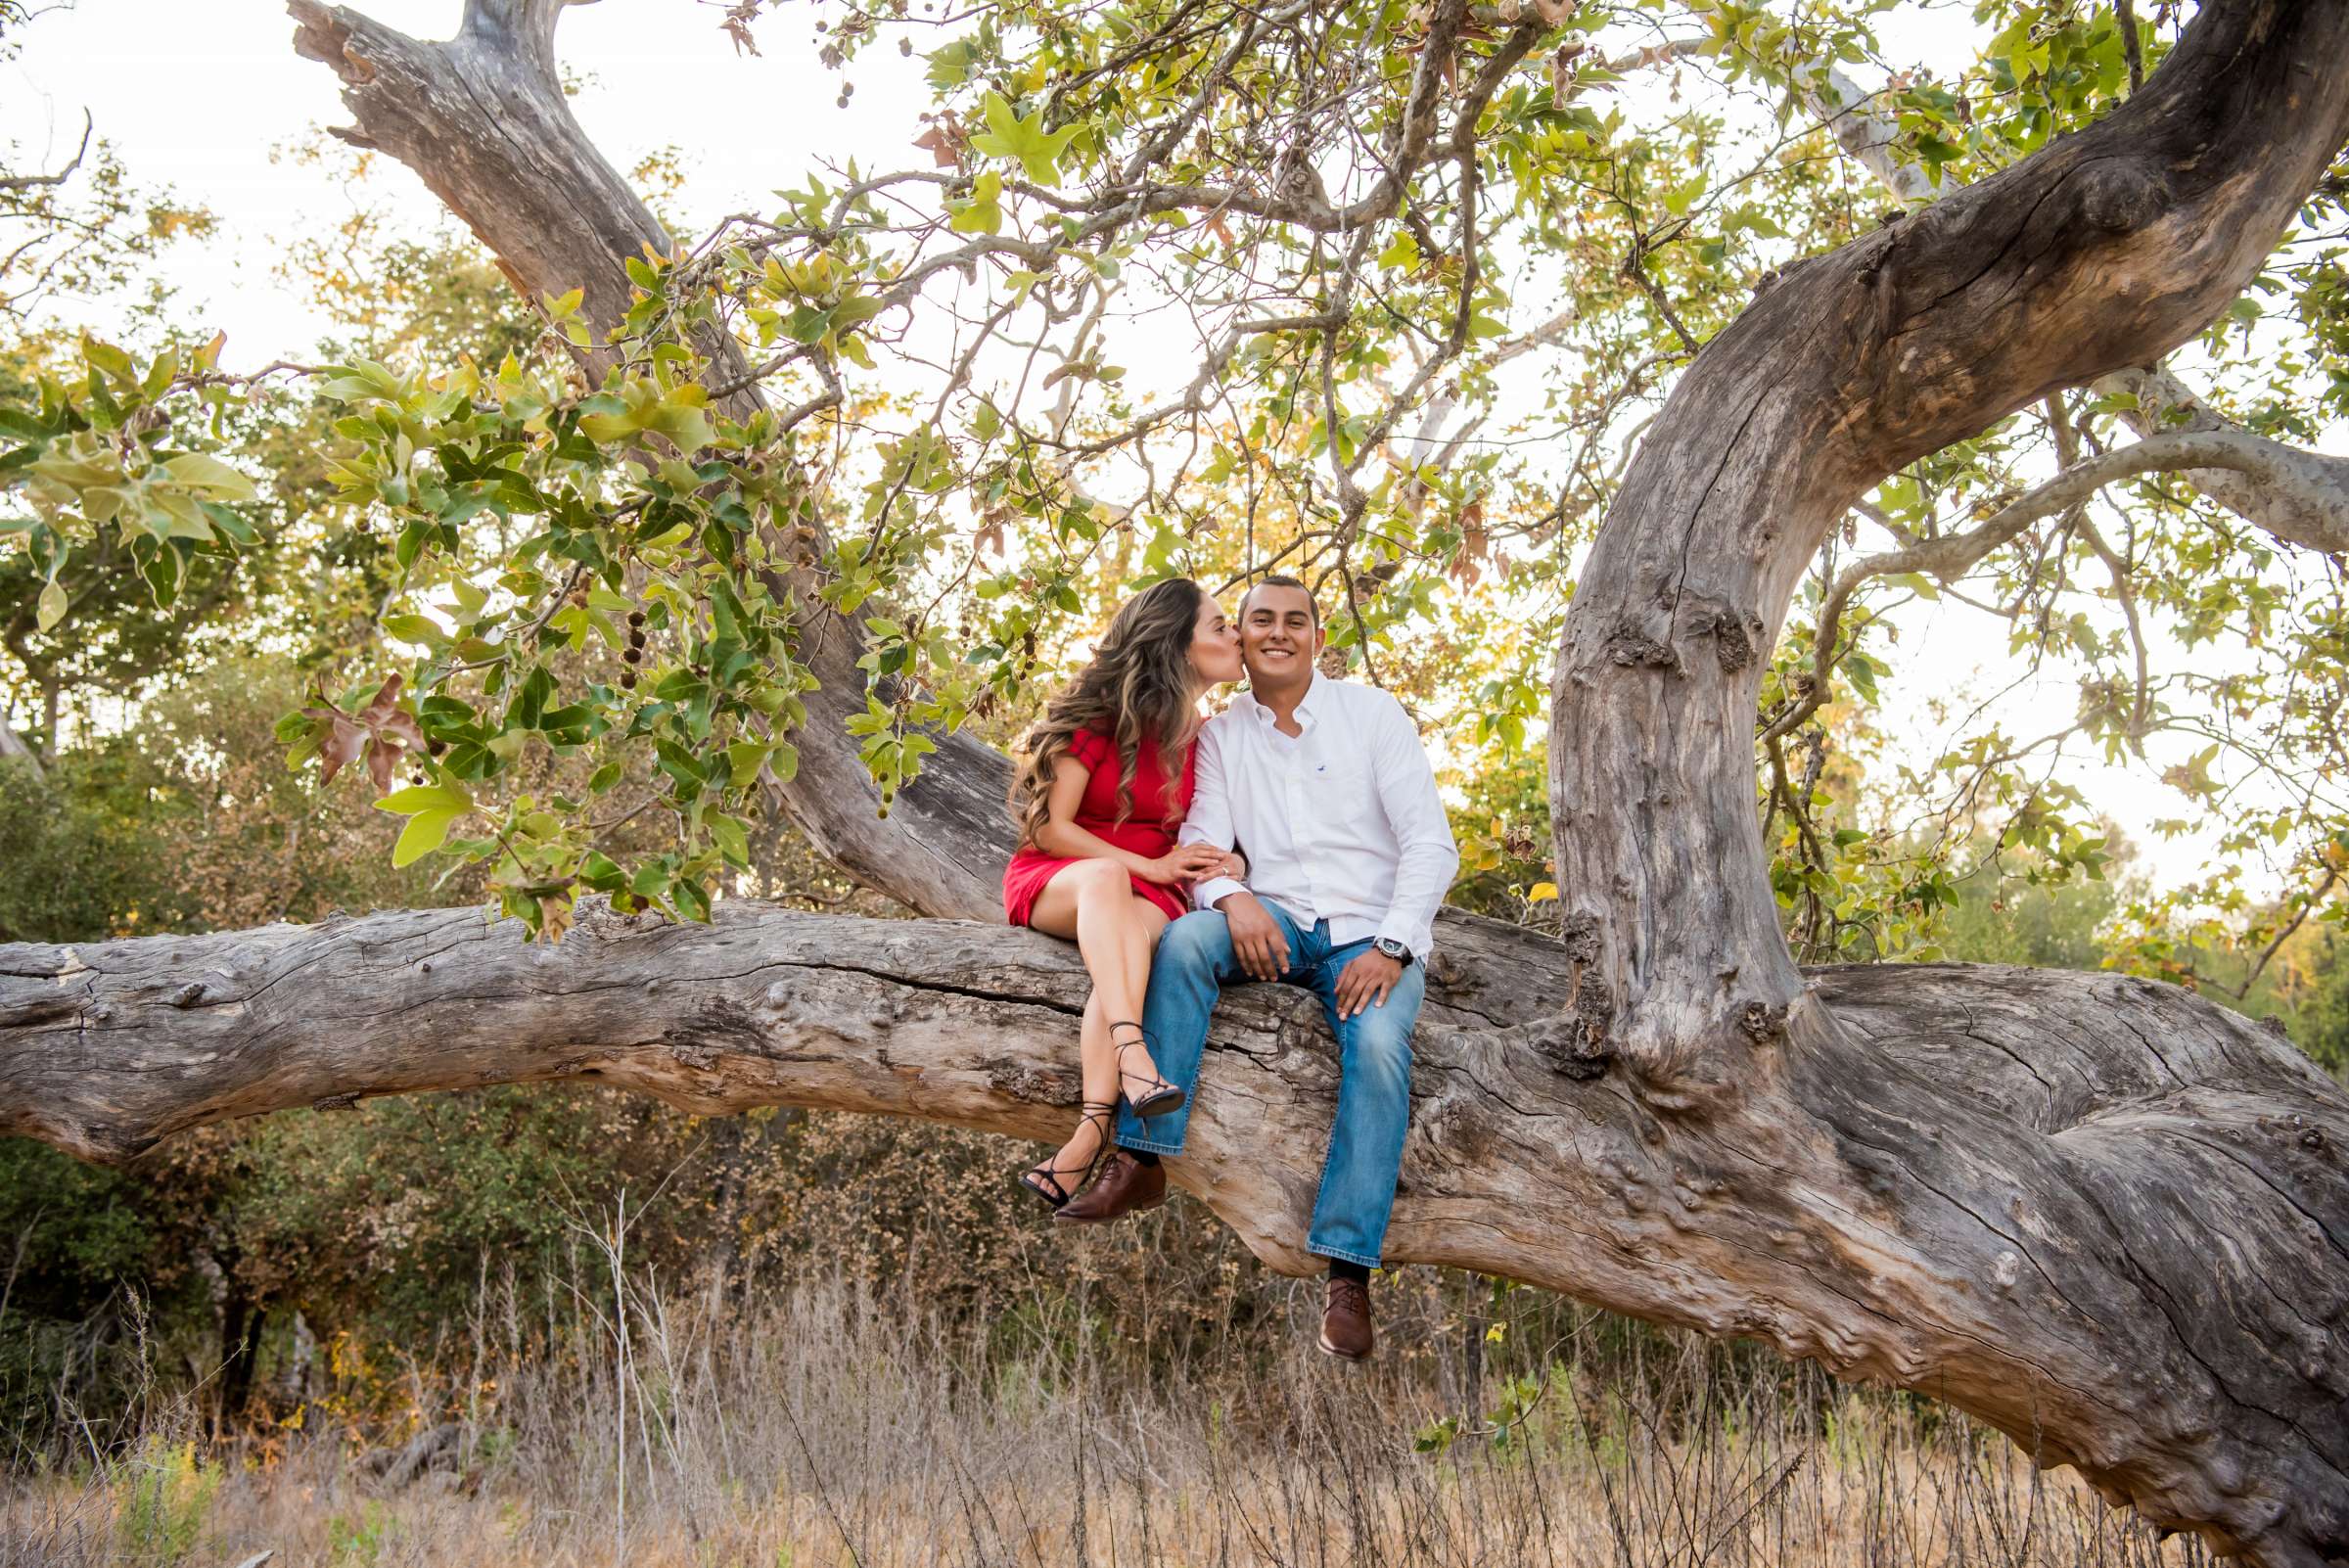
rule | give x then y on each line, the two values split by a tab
2099	1213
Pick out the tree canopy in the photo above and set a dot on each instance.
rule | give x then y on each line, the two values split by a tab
1384	294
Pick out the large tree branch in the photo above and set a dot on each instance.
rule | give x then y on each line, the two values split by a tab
2102	250
2300	497
2098	1212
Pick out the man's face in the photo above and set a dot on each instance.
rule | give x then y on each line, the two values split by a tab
1279	639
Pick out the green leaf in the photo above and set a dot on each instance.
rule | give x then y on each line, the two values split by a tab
951	67
51	607
733	839
209	476
425	832
744	759
982	212
1007	135
446	794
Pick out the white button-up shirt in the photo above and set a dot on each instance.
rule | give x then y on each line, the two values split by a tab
1340	822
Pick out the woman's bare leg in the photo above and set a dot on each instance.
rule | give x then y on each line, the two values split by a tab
1115	929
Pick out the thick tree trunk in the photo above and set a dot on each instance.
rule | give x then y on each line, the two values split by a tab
2105	249
2035	1262
2098	1212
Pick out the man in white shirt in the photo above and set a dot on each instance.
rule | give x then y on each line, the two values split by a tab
1326	789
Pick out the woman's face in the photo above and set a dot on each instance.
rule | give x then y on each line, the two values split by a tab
1214	645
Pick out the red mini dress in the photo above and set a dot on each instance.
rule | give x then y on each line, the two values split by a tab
1158	802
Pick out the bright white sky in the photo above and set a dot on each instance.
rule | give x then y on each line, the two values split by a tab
200	96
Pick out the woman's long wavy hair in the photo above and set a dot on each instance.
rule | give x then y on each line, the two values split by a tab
1139	683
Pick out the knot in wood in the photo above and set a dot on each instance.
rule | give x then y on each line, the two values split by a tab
1575	1045
1034	1085
1630	647
1735	634
1580	936
188	995
1763	1022
2120	195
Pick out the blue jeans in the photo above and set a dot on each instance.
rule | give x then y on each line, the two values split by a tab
1193	963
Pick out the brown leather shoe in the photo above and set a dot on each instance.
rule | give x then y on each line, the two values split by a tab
1124	1186
1346	1321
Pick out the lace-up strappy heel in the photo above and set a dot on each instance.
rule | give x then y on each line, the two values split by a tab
1045	1180
1158	1097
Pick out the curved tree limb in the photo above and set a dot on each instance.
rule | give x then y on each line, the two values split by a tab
2299	498
1985	1199
2104	249
2295	495
34	182
482	118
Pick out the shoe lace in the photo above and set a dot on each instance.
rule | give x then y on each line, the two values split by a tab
1352	1294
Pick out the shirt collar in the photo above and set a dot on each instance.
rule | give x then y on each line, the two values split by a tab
1310	707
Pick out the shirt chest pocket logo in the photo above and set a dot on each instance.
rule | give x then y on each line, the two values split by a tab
1343	782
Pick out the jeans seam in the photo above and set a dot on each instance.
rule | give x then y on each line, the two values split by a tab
1149	1145
1329	1146
1344	1256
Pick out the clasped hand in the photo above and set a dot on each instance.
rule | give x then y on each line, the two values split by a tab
1187	862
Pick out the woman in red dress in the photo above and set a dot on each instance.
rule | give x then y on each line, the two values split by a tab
1100	792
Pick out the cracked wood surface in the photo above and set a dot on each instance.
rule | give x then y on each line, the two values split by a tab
2094	1211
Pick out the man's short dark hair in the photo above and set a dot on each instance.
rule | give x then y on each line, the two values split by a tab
1276	580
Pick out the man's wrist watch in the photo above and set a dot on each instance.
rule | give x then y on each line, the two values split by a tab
1399	951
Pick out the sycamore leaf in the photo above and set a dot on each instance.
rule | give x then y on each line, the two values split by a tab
1007	135
982	212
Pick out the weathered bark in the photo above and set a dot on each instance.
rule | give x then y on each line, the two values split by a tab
2104	250
2298	496
2099	1213
483	121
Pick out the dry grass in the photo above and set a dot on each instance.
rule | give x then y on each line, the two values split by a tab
832	1428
